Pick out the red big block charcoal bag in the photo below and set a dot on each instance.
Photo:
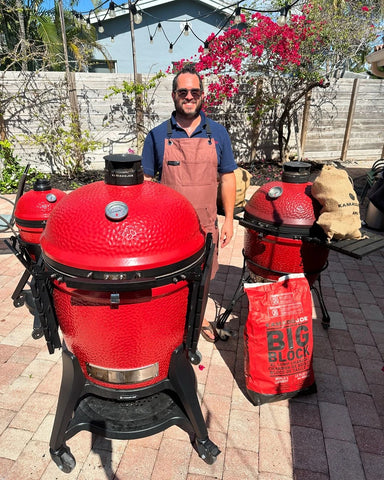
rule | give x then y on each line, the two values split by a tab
278	340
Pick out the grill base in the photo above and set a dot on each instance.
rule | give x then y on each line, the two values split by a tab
127	420
128	414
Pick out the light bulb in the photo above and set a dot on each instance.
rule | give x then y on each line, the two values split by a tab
151	40
138	18
88	24
170	48
100	27
282	20
159	27
112	38
186	30
206	47
237	16
112	12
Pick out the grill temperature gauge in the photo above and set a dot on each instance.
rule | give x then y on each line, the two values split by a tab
116	211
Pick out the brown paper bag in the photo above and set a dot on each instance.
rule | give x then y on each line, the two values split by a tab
340	215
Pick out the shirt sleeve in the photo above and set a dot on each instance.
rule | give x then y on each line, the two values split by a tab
225	153
149	161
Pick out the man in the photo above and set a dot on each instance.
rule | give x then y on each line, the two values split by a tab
188	151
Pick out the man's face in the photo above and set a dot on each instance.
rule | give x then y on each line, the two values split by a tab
188	98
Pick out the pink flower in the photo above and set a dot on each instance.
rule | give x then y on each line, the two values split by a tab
365	9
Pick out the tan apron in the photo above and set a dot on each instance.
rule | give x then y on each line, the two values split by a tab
190	167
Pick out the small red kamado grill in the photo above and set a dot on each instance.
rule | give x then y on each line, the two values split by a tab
31	214
124	273
280	217
280	224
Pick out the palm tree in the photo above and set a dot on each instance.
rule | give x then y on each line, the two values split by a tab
33	38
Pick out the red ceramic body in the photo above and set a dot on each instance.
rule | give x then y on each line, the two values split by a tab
273	255
32	211
160	229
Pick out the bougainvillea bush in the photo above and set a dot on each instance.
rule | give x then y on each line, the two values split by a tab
266	70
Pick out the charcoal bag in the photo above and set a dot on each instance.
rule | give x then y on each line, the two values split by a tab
278	340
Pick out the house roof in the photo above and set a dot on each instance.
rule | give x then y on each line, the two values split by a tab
223	5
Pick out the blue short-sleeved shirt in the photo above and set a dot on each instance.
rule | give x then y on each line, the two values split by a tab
153	150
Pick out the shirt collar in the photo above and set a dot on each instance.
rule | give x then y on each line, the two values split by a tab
202	125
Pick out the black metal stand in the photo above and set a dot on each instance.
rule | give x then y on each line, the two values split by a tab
128	414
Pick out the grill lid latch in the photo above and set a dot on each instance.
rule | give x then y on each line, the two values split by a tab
115	299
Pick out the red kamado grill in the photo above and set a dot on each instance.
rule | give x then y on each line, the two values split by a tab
280	218
280	221
32	212
124	273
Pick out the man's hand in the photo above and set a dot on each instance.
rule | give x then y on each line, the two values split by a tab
226	232
228	195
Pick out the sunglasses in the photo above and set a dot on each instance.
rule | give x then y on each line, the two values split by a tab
195	92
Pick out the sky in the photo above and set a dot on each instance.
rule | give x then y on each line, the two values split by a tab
83	5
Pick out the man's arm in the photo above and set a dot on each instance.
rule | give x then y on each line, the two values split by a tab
228	195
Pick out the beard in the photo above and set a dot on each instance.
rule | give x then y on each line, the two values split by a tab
189	113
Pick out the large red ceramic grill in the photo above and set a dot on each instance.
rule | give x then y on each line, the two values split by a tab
128	269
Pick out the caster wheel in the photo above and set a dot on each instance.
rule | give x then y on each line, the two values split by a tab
325	325
195	358
37	333
63	459
18	302
207	450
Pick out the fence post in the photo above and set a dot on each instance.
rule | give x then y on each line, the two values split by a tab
351	112
305	121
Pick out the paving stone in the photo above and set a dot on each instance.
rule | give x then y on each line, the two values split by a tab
305	415
344	460
361	334
362	409
373	466
347	358
353	316
371	312
353	379
329	388
336	421
275	452
308	450
373	371
370	440
368	352
341	340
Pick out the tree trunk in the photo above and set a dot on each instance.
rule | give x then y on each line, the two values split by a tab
23	39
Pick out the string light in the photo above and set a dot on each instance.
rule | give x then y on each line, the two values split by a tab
282	20
237	15
111	10
112	38
137	17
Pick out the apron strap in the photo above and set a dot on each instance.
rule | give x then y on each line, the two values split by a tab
169	131
207	129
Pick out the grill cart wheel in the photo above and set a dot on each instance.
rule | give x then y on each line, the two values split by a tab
207	450
63	459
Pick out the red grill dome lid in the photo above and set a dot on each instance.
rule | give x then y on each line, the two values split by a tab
286	202
122	225
35	206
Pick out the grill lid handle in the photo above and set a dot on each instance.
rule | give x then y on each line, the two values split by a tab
123	169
